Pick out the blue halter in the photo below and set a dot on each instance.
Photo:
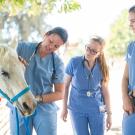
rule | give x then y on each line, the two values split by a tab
16	97
12	100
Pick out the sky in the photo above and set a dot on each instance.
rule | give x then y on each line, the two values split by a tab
95	17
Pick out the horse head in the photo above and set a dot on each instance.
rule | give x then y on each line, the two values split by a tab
12	80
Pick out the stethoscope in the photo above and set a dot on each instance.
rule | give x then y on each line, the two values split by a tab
84	67
89	75
33	54
26	62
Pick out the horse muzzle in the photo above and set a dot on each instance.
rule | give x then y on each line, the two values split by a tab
26	108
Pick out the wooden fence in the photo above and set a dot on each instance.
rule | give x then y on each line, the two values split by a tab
4	119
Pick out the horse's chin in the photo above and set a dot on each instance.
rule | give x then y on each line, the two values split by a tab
26	112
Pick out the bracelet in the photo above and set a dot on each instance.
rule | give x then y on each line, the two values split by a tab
39	99
109	113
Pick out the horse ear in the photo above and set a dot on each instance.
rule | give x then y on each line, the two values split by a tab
13	43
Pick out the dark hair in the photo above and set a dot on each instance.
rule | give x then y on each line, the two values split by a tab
59	31
132	9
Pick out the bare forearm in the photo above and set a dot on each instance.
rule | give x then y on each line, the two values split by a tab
65	100
67	85
51	97
106	96
58	94
125	80
124	88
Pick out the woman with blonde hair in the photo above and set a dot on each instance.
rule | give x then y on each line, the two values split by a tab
89	98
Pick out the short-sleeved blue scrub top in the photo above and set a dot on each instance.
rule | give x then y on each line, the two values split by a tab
39	72
84	81
130	58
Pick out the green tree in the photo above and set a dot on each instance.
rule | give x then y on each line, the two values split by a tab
37	6
27	17
120	35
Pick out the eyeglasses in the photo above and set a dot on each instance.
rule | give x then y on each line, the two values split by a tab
92	51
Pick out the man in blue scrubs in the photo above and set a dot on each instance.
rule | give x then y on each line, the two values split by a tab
45	74
128	83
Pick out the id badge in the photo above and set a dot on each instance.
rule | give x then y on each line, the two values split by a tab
102	108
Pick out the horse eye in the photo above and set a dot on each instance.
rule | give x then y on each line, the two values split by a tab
4	73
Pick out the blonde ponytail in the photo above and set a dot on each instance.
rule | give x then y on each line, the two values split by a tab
101	58
104	67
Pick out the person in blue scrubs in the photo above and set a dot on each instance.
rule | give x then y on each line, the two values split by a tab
45	74
89	99
128	83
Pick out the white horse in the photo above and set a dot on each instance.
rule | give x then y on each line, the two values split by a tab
12	81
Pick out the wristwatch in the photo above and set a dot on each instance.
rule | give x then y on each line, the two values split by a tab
39	98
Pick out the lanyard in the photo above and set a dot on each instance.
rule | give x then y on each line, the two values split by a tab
88	75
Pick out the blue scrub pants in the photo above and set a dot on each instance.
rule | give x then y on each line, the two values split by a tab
45	123
128	124
87	123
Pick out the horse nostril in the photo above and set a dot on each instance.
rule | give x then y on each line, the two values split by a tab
26	106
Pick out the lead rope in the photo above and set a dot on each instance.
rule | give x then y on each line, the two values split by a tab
26	123
17	121
12	100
